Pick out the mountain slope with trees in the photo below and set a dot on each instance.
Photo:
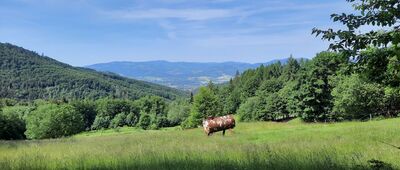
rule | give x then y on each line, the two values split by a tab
25	75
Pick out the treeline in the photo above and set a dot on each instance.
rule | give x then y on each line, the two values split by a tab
328	88
26	75
53	119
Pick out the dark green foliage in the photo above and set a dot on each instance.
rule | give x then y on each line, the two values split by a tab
156	109
178	111
393	70
159	121
193	121
26	75
88	110
101	122
153	105
290	70
7	102
270	86
251	84
275	107
112	107
315	86
12	126
206	103
144	121
248	111
357	99
392	101
53	121
114	113
118	121
132	119
19	110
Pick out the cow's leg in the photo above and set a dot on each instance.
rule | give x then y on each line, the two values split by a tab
223	133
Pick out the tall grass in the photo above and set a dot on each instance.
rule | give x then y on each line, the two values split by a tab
258	145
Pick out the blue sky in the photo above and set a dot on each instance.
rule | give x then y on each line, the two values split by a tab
83	32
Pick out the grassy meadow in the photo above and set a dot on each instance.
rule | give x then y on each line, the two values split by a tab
259	145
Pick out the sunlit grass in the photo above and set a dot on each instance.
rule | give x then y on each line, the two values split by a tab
259	145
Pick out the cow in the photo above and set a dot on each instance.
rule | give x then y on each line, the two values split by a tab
221	123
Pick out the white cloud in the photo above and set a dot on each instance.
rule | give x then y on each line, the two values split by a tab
165	13
207	13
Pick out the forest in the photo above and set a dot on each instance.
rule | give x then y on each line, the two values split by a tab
358	78
25	76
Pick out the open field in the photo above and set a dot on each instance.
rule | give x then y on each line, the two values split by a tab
260	145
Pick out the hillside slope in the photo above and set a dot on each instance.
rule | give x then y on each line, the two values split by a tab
181	75
26	75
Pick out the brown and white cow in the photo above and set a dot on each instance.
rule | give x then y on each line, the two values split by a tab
221	123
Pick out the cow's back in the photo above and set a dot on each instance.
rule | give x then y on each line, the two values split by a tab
215	124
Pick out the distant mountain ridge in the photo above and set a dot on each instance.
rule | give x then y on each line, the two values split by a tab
181	75
25	75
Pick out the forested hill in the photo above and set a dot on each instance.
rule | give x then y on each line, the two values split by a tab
25	75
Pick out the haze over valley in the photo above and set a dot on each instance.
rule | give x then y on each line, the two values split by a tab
181	75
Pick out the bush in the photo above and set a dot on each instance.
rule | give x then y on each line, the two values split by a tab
12	127
118	121
355	98
88	110
160	122
131	119
144	121
20	111
53	121
178	112
101	122
112	107
153	111
248	110
274	108
392	101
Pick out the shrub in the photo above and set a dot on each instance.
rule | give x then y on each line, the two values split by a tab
392	101
88	111
131	119
118	121
357	99
112	107
144	121
11	126
178	112
248	110
53	121
101	122
160	121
